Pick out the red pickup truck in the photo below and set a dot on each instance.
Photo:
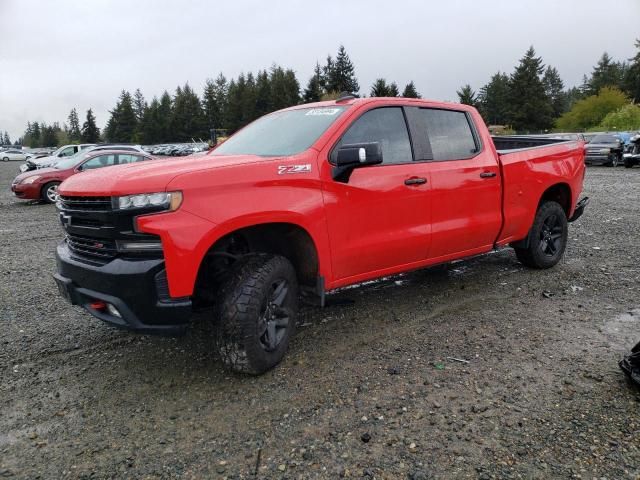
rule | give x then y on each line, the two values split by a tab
307	200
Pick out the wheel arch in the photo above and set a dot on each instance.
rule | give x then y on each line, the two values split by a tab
289	239
560	193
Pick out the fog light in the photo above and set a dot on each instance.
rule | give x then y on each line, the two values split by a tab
139	246
113	311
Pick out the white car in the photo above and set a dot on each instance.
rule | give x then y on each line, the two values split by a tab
14	154
49	161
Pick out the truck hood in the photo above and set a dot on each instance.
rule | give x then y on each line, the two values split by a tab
594	146
146	177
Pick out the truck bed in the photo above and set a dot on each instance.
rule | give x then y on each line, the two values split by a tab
507	144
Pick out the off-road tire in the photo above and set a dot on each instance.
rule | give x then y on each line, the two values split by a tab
240	313
44	193
537	254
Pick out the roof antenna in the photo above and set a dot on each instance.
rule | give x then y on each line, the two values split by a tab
344	96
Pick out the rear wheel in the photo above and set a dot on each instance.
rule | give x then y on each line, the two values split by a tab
256	313
5	159
49	192
547	238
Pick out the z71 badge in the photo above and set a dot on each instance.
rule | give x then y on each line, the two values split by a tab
285	169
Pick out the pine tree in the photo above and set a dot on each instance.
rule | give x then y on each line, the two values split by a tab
631	83
187	119
34	139
467	96
263	94
48	138
328	74
606	73
285	89
380	88
410	91
340	75
554	88
165	110
6	140
90	131
139	104
74	126
314	90
122	124
530	108
393	90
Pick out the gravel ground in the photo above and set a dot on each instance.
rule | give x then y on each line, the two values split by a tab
369	387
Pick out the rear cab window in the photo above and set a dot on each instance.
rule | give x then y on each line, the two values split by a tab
450	133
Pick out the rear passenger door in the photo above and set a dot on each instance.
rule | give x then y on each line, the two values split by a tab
465	183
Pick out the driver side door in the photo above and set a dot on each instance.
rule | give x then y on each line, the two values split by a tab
379	218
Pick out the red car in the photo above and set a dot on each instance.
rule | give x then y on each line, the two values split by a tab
43	184
307	200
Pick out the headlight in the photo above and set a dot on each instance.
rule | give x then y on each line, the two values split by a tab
605	150
29	180
168	200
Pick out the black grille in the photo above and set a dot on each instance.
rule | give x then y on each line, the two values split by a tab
98	248
85	203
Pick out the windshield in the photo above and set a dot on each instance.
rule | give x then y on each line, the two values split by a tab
281	133
604	139
71	161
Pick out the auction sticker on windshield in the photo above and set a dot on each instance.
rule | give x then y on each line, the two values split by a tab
323	111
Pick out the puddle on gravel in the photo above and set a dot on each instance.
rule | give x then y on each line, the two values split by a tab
625	326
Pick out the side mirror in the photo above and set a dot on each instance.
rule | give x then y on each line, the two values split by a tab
359	155
355	155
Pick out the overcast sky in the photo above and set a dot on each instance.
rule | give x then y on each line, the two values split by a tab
55	55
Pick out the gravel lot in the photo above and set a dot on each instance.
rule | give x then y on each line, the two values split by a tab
369	388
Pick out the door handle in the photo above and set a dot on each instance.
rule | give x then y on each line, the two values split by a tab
488	174
415	181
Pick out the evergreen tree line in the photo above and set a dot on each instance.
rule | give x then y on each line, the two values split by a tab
42	135
5	139
533	97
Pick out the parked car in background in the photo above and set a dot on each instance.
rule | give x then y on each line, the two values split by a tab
604	149
14	154
631	156
52	160
43	184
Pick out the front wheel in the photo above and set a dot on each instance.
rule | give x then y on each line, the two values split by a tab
49	193
547	237
5	159
256	313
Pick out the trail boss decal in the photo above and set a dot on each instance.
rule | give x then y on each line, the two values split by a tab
286	169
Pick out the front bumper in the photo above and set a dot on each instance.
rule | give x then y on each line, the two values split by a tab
601	159
137	288
30	191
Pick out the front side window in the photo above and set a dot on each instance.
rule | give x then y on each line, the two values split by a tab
67	152
449	133
281	133
99	162
386	126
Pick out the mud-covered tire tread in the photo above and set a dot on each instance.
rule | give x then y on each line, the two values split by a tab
532	256
236	313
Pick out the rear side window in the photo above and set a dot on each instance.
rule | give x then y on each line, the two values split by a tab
99	162
129	158
450	134
386	126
